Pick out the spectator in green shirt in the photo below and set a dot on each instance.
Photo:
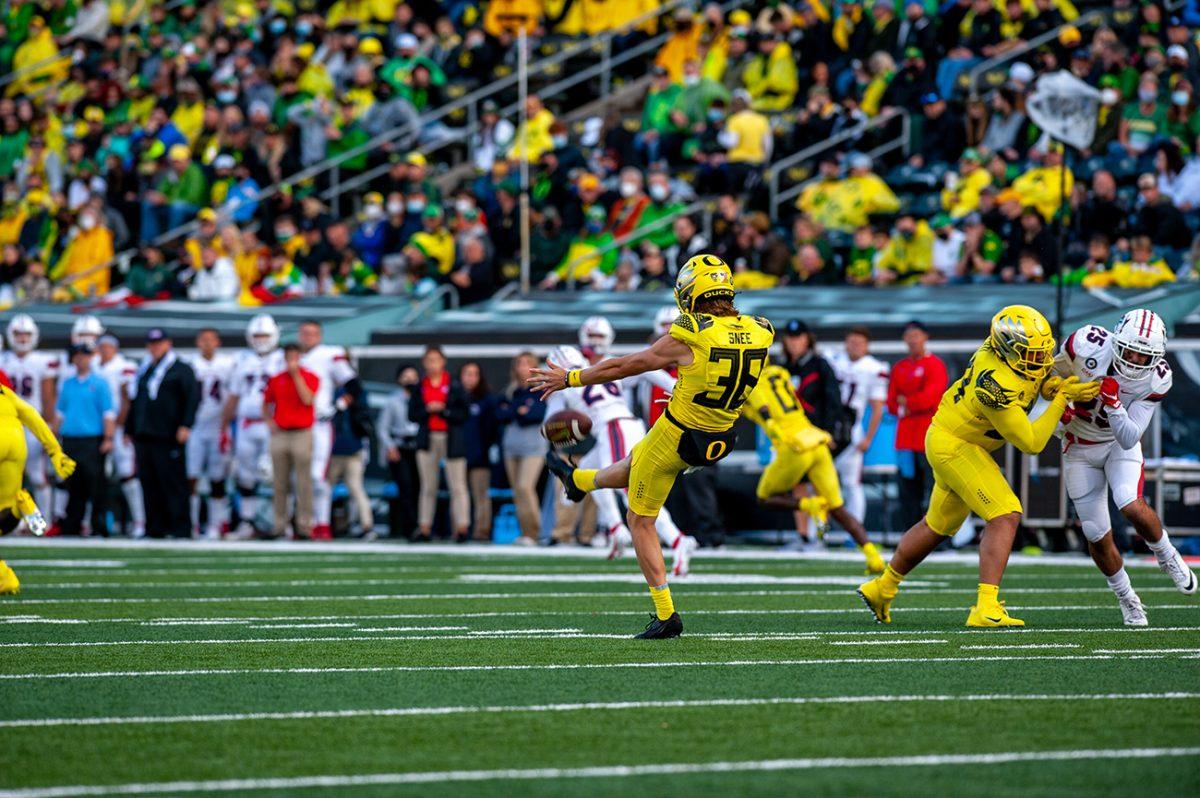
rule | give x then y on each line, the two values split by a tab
662	206
657	125
179	195
1099	259
981	252
1144	122
693	100
397	71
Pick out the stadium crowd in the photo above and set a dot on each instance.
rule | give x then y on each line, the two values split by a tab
121	123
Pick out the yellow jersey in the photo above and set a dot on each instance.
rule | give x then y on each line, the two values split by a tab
988	385
728	357
773	406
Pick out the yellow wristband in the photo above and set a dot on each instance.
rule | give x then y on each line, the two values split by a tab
573	379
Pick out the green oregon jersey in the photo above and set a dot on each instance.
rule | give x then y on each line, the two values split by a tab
988	383
728	356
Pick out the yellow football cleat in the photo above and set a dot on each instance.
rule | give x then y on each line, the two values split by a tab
872	595
9	584
992	617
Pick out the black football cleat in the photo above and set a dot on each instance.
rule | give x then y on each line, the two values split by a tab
661	630
565	473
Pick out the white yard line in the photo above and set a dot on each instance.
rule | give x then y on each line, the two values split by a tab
605	771
303	549
1149	651
994	647
886	642
581	707
488	668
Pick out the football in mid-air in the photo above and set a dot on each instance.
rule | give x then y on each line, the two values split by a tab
566	428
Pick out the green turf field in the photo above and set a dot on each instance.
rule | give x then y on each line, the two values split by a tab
399	671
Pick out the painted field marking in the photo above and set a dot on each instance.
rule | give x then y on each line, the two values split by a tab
578	707
605	771
486	668
1149	651
1023	646
885	642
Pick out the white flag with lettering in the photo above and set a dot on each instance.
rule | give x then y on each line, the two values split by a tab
1065	107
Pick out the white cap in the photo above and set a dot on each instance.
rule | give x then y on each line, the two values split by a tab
1177	51
224	161
1021	72
406	41
858	160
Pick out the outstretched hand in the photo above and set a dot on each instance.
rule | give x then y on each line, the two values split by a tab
547	380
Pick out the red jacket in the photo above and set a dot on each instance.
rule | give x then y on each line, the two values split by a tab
922	383
290	411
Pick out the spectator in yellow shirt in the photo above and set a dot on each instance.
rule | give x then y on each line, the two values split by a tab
1142	270
681	46
86	263
815	199
859	196
1043	186
188	116
36	61
512	16
961	194
433	247
533	136
908	256
771	77
747	140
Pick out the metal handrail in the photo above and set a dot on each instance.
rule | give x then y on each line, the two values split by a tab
444	291
808	153
633	235
1022	49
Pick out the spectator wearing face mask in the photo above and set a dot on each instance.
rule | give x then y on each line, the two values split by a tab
591	252
908	256
627	211
662	206
1141	270
947	250
86	264
370	238
1143	122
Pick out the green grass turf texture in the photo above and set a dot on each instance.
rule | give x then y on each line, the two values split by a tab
305	597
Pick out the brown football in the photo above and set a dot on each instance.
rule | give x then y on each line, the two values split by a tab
566	428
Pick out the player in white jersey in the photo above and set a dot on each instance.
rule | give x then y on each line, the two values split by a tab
34	377
332	366
1102	448
119	372
209	444
252	368
864	382
617	430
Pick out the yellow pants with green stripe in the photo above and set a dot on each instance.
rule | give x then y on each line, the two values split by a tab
967	479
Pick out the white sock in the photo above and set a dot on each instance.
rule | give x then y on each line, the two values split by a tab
194	504
216	513
132	489
249	509
1162	547
1119	583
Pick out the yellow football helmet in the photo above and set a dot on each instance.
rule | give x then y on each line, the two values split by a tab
702	277
1021	336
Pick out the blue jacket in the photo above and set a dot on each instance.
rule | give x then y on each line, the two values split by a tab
481	429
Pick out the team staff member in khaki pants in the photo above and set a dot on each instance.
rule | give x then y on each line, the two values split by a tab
288	404
439	406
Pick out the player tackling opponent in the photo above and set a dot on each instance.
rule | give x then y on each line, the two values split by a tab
17	416
1102	447
987	406
801	454
719	354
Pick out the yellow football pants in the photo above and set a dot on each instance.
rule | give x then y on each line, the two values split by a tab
654	464
966	480
12	461
789	468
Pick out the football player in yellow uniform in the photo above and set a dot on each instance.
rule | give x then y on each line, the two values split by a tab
16	503
719	354
801	453
986	407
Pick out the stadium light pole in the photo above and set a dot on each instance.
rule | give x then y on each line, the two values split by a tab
523	94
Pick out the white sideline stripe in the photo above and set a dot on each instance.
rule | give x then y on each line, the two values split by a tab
753	663
605	771
56	563
579	707
1033	645
316	626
